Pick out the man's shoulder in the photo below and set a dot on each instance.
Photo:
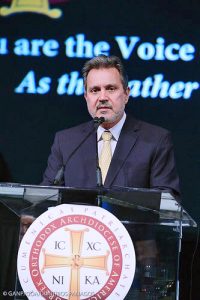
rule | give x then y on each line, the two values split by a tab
147	131
138	124
78	129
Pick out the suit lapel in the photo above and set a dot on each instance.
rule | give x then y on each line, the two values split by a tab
125	144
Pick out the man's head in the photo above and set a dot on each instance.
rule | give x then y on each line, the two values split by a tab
106	88
105	62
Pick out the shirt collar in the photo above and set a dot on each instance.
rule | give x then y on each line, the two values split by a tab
115	130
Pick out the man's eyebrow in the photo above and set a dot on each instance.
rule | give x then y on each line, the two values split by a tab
99	87
94	87
111	84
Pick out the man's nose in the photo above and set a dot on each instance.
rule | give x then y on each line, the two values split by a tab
103	96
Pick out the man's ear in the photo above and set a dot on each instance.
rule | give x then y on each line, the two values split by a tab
127	92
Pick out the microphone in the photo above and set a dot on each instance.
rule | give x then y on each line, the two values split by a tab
98	121
60	174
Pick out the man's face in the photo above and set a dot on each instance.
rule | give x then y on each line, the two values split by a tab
105	95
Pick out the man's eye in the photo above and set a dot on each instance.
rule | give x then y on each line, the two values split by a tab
93	91
112	88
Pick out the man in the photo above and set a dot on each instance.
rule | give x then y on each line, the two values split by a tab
142	154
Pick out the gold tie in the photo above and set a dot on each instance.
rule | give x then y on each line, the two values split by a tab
106	154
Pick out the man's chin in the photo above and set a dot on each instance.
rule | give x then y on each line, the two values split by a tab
107	118
110	121
106	114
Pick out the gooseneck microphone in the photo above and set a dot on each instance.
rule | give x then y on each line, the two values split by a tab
60	174
98	121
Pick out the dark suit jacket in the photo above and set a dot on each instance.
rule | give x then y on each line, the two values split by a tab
143	158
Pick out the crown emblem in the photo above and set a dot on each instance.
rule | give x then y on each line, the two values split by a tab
36	6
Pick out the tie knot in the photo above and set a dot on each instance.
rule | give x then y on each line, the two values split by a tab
106	136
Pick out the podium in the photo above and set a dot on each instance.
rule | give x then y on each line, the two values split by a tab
154	220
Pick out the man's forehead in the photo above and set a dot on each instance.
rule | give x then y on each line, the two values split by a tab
103	75
103	69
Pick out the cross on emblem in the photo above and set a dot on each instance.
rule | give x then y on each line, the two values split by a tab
75	261
37	6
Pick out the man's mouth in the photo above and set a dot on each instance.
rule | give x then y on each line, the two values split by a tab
103	107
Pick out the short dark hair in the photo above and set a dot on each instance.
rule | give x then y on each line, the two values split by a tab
103	61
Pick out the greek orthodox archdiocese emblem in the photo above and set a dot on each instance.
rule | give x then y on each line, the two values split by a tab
75	253
35	6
